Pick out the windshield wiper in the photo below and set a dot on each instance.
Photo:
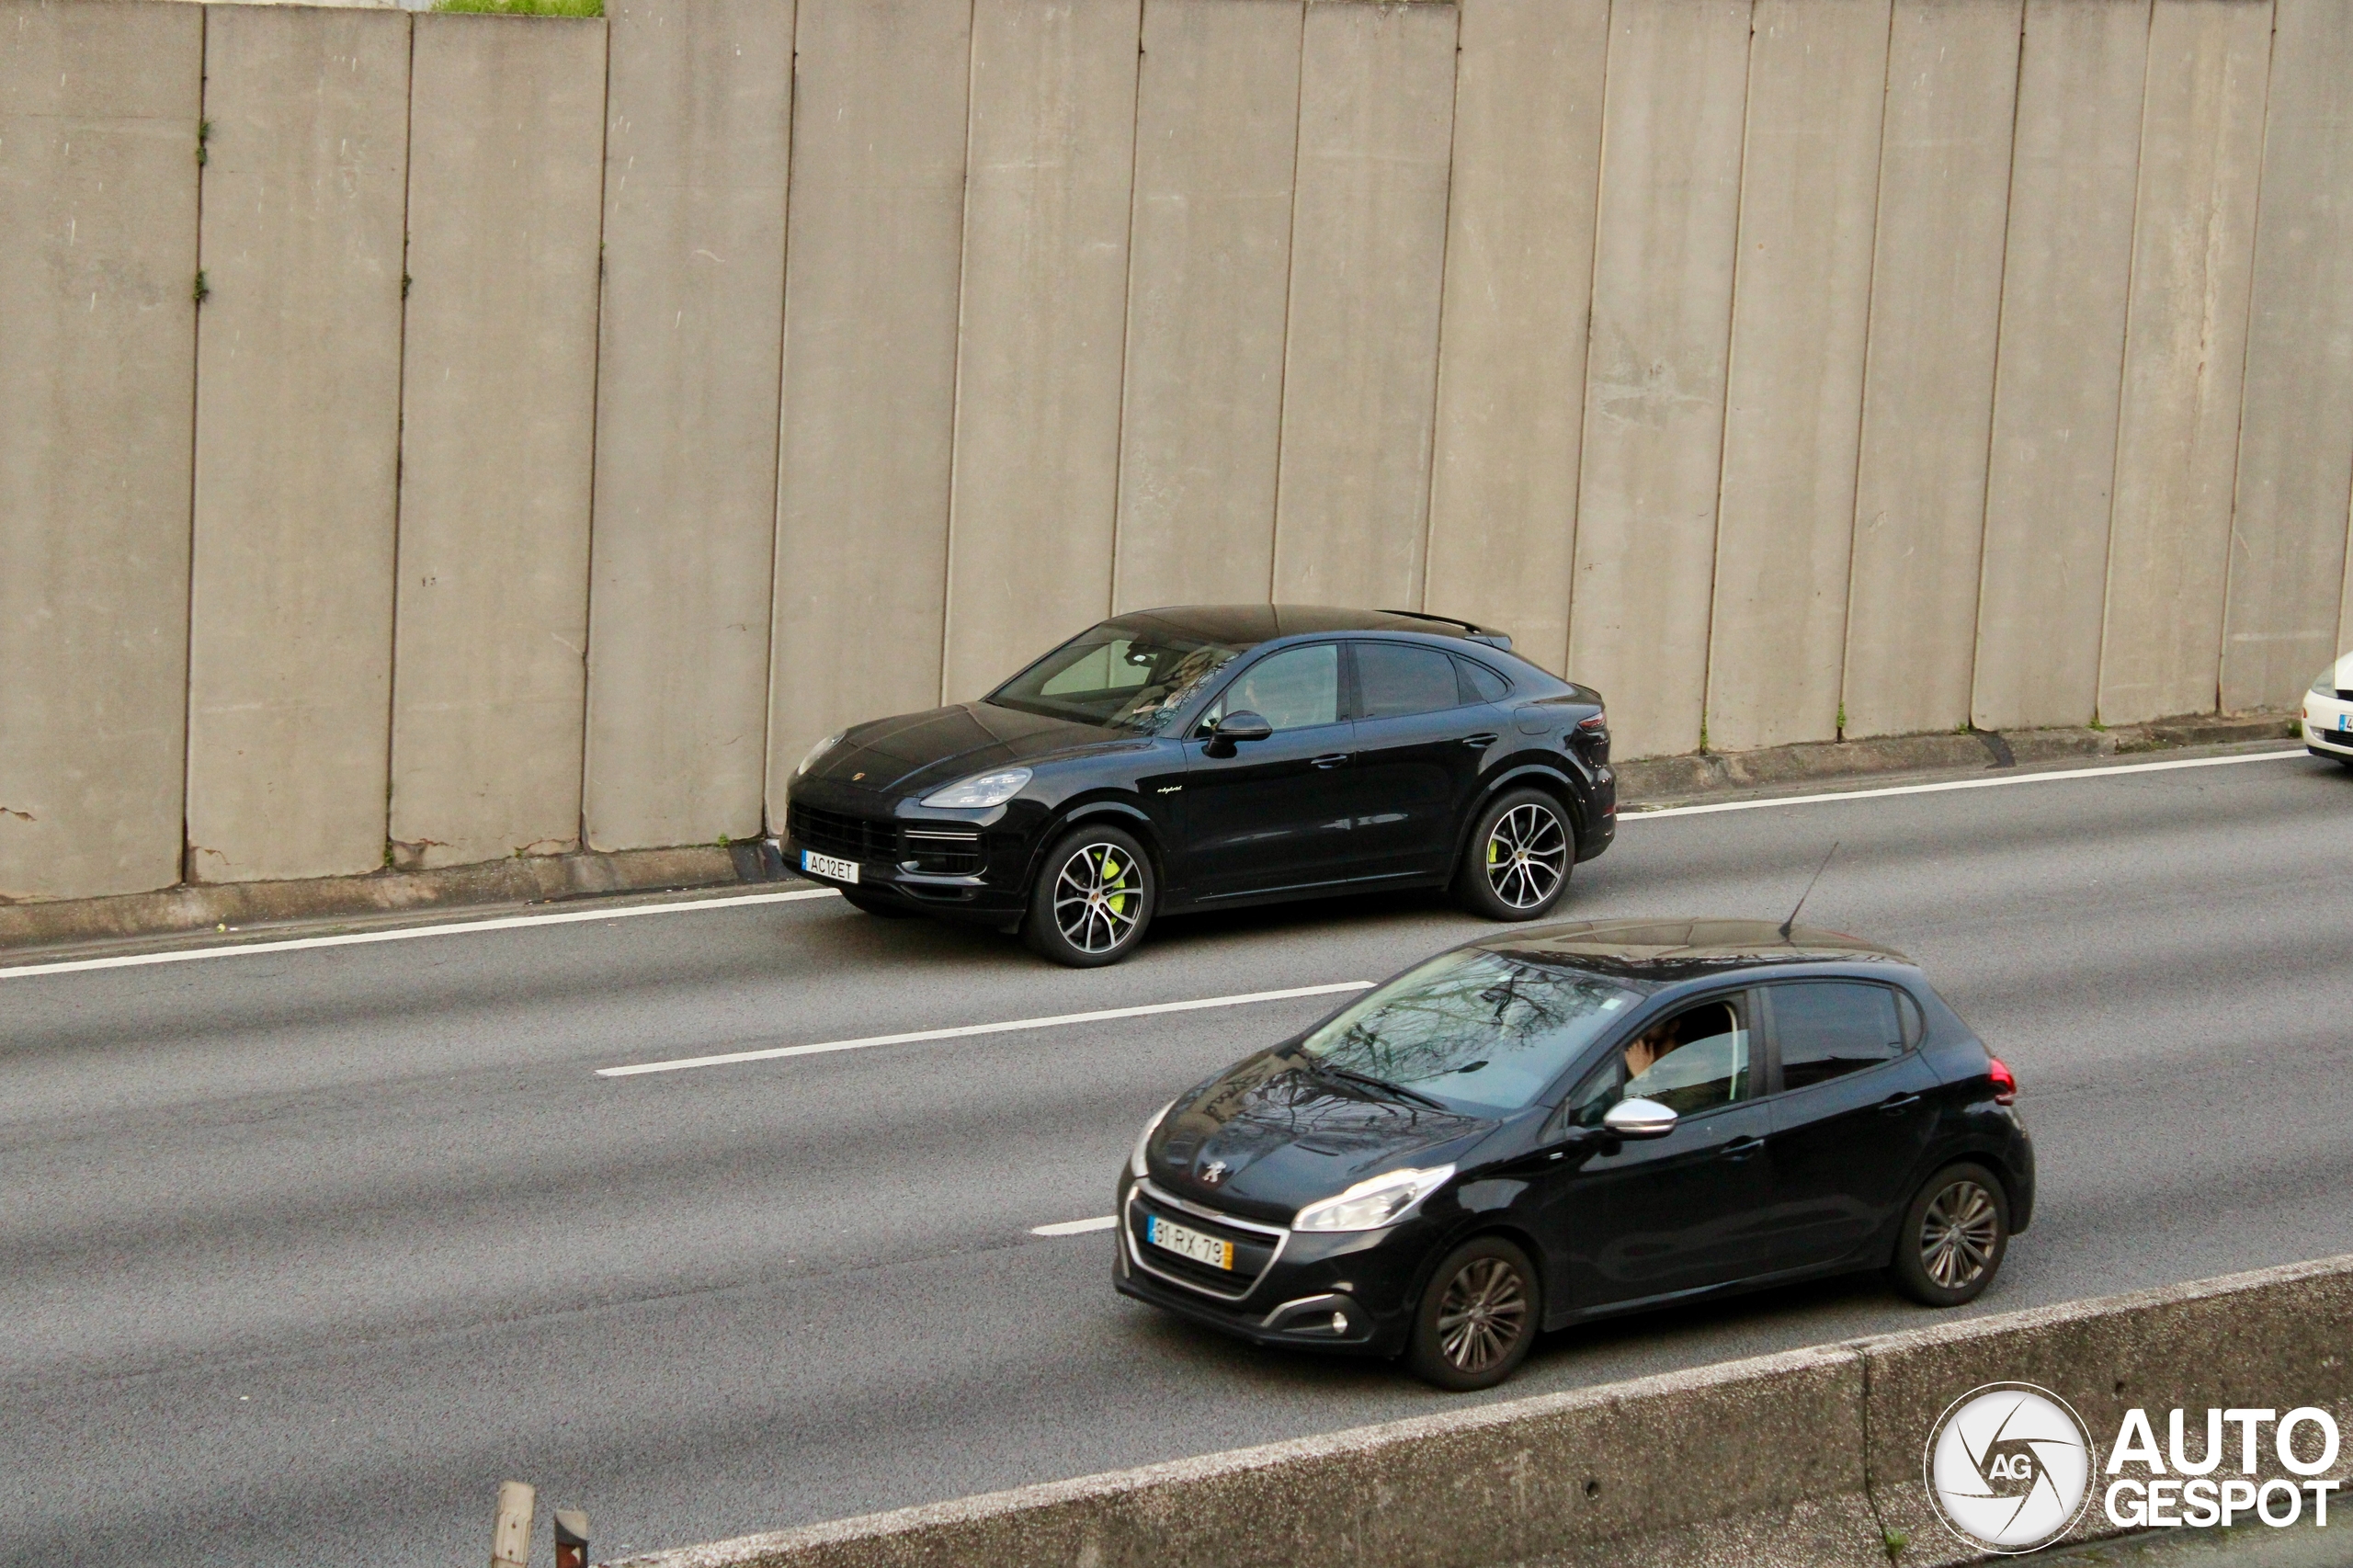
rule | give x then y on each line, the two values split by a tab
1316	1064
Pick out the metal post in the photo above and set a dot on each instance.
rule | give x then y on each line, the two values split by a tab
571	1539
510	1537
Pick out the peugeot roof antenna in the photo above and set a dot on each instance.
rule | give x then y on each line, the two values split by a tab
1791	924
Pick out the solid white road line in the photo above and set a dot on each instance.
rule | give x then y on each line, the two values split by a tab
963	1030
403	934
2069	773
1077	1227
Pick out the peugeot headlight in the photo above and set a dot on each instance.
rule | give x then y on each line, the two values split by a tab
982	789
1135	1161
1373	1202
820	749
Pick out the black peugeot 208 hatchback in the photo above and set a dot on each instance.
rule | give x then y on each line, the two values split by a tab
1565	1122
1215	756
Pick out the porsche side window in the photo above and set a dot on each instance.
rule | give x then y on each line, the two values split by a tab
1292	690
1827	1028
1395	680
1694	1061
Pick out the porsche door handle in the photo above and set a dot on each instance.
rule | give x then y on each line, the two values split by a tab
1895	1103
1330	759
1740	1148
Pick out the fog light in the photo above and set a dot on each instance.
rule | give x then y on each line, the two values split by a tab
1339	1323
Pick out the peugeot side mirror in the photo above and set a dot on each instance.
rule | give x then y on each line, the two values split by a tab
1639	1118
1240	725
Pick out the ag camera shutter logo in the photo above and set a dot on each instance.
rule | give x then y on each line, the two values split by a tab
2009	1467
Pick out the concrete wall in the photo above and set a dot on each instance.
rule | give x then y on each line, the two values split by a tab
872	261
1040	345
1511	353
497	412
1672	120
1785	368
298	418
697	137
98	111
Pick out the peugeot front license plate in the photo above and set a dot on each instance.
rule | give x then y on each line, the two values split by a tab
827	866
1189	1243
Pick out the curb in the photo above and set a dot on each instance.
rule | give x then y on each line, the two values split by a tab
1791	1460
535	879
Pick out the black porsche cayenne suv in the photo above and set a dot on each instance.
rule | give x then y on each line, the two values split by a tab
1215	757
1570	1121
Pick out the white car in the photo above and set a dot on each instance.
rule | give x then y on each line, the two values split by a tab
2328	712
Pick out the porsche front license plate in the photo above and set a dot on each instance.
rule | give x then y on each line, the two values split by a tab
1189	1243
827	866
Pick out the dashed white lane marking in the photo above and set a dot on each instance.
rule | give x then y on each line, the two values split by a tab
961	1032
407	932
1076	1227
2051	777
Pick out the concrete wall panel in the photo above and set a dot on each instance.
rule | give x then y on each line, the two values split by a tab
2288	537
506	181
1217	124
2066	280
1928	372
1045	281
871	267
1518	283
1654	383
1793	410
297	434
1376	123
697	137
2185	348
98	108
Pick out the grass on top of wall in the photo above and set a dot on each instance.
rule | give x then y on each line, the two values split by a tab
526	8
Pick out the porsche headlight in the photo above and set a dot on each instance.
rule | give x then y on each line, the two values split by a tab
820	749
1373	1202
981	789
1135	1161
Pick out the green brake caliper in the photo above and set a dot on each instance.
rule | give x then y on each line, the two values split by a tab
1113	871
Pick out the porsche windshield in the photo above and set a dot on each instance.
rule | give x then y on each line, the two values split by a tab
1474	1028
1126	676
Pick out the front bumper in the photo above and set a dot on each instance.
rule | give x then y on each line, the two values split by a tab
971	865
2328	726
1350	1292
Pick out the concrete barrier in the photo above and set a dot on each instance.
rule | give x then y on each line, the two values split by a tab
1808	1458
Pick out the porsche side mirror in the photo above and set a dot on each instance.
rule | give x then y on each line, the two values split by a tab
1639	1118
1239	725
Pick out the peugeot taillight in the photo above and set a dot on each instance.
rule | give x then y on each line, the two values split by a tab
2005	1084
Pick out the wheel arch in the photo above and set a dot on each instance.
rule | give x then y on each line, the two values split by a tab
1526	774
1125	814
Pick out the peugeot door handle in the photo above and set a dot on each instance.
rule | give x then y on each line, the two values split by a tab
1480	741
1331	759
1740	1148
1894	1103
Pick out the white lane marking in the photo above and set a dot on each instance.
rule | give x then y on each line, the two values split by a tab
1077	1227
962	1030
448	929
2075	773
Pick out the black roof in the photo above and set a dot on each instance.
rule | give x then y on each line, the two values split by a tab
1665	952
1240	626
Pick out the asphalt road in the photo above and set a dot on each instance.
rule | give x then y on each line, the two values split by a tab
302	1253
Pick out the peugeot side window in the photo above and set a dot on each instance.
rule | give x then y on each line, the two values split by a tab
1692	1061
1395	680
1827	1028
1295	690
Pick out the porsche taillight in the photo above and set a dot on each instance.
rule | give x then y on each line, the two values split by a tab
2005	1084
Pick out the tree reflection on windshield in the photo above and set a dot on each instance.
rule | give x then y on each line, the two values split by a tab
1472	1027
